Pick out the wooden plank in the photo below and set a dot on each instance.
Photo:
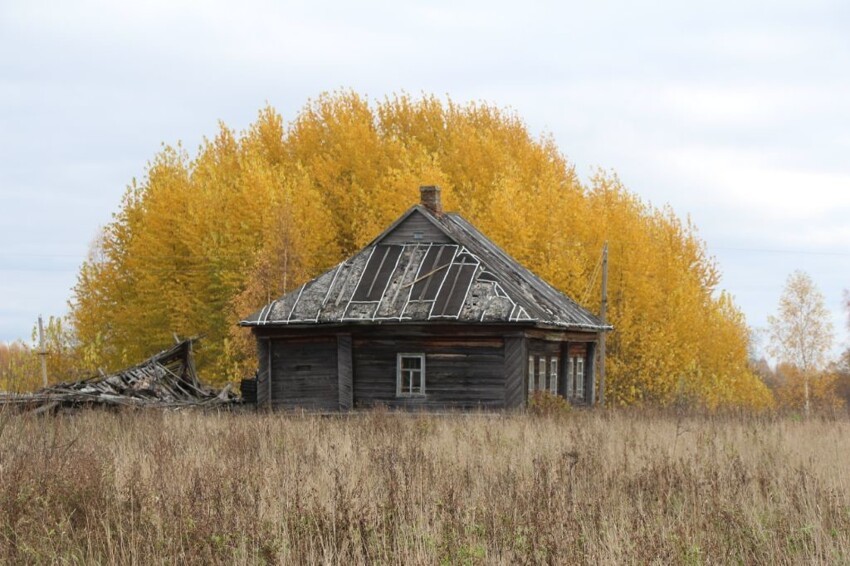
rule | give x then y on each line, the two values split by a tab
578	349
590	385
538	347
263	383
459	374
345	371
416	228
515	372
431	329
304	374
561	335
562	377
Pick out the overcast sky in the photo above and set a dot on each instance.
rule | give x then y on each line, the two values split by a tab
735	113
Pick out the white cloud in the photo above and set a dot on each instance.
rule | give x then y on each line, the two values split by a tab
712	106
743	179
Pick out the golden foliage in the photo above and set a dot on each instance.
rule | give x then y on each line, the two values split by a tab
822	389
20	364
199	243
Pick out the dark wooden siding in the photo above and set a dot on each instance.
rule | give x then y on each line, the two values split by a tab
305	373
543	348
416	223
345	371
459	372
590	385
516	364
562	370
467	366
263	383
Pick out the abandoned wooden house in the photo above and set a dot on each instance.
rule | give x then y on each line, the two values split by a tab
431	315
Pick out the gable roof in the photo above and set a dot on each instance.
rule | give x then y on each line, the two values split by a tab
428	267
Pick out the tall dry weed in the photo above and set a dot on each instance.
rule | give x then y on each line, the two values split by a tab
586	487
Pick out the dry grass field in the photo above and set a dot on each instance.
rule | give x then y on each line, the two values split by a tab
588	487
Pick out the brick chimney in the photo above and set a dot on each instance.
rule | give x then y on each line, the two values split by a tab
431	198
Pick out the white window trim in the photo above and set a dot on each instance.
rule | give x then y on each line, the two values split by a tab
530	375
553	375
570	370
542	372
398	391
580	377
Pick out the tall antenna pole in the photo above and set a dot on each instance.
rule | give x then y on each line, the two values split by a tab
42	352
603	312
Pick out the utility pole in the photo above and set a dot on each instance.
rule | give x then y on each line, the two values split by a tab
42	352
603	312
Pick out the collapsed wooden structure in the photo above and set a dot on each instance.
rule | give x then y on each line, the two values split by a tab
165	380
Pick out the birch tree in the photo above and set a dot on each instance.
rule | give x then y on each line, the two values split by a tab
801	333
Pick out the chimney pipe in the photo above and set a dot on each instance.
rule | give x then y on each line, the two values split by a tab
431	198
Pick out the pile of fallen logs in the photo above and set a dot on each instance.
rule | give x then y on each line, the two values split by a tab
166	380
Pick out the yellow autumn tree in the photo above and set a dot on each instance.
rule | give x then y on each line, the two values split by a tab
20	362
202	241
796	388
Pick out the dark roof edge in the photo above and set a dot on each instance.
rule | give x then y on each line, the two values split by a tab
524	323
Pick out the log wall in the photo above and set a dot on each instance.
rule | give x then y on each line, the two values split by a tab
460	373
305	374
355	366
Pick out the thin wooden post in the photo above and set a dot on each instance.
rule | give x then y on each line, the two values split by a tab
603	313
42	352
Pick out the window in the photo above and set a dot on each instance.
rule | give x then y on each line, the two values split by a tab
580	378
553	376
410	375
569	377
530	375
541	373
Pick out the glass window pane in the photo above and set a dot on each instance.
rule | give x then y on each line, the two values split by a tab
530	374
569	377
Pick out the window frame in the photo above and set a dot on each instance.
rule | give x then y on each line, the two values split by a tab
398	374
553	375
531	367
570	375
580	376
542	365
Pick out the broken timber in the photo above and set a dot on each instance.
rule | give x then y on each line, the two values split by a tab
166	380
